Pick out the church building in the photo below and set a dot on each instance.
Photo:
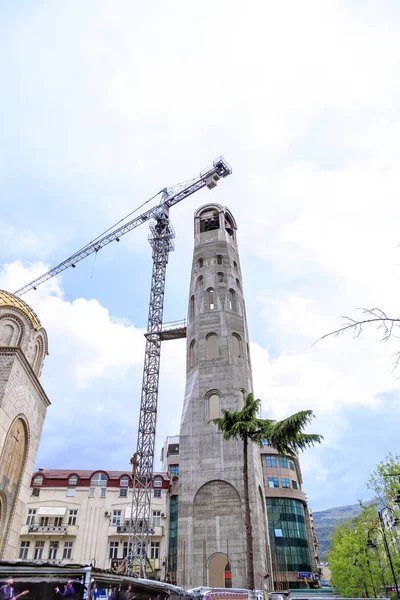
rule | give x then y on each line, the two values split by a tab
23	406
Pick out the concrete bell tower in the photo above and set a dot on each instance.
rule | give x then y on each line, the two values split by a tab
23	405
211	535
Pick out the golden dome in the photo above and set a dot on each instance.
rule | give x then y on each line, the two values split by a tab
7	299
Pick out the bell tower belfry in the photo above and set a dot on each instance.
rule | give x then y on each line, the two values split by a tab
211	535
23	406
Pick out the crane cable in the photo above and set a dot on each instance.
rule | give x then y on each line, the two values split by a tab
117	223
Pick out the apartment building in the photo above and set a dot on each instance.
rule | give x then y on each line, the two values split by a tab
83	516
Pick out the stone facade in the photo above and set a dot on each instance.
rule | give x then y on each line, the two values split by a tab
211	503
23	405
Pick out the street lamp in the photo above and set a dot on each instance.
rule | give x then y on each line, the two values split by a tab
371	546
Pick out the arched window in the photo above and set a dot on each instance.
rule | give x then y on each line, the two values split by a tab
124	481
238	283
212	345
220	277
210	299
37	356
213	409
157	482
236	345
219	259
7	333
200	280
235	264
191	310
73	480
244	395
232	300
38	480
248	352
99	479
192	354
200	263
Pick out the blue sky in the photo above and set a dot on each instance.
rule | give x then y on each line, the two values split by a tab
103	105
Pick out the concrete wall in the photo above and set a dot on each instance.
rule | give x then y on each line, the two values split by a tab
211	503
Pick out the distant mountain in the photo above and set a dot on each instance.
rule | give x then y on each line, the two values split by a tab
325	522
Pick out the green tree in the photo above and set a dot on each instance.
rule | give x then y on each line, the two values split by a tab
356	571
286	436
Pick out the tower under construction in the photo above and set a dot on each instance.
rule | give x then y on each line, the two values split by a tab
211	534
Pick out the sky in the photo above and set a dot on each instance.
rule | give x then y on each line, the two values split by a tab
104	104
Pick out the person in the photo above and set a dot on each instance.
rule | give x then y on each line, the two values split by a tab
129	595
7	590
114	594
68	589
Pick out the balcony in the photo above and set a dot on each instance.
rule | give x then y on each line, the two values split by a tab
48	529
155	530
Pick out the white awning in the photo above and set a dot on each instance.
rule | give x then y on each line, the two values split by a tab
128	513
51	511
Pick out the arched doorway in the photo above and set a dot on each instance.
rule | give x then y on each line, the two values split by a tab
216	570
12	462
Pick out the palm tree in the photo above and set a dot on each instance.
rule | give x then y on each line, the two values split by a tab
285	436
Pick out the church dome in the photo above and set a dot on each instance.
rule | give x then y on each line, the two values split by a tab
7	299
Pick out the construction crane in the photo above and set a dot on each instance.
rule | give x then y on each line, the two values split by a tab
161	240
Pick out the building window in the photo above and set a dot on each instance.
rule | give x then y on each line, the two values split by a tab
291	465
191	311
39	547
73	480
103	492
220	277
238	283
200	263
53	550
125	549
174	470
44	521
192	354
273	482
116	518
278	533
285	482
210	299
212	345
57	521
155	550
270	461
99	479
72	516
156	522
157	494
232	300
157	482
200	281
35	491
219	259
30	519
23	550
294	485
283	462
235	264
91	492
38	480
71	492
124	481
113	550
123	492
213	407
236	345
67	551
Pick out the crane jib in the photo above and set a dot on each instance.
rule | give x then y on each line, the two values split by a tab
220	169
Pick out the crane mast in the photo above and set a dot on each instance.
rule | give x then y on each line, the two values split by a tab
161	240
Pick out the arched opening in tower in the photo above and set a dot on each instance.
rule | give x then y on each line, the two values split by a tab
209	221
229	225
